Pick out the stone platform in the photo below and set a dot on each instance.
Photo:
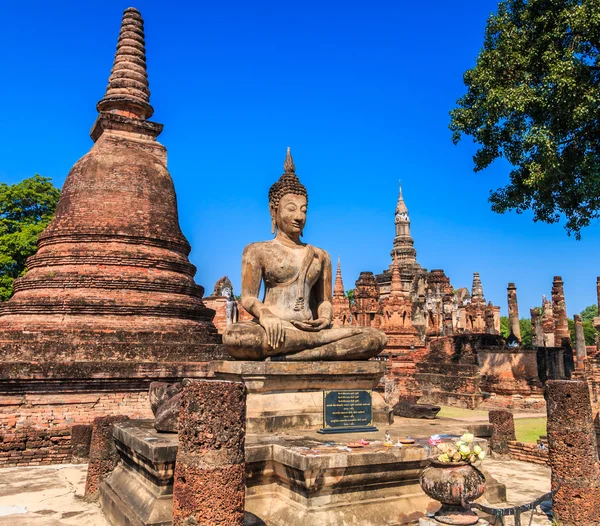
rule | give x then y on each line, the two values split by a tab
291	480
285	396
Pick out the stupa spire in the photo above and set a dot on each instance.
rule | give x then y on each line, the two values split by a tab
127	93
396	286
403	250
338	288
288	166
401	206
477	289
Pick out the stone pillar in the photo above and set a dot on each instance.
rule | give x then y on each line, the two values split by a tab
562	336
537	332
547	323
210	471
513	311
503	430
579	342
573	454
103	454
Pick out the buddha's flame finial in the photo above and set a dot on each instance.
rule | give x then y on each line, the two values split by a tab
127	92
288	166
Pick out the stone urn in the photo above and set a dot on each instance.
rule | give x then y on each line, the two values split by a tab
452	484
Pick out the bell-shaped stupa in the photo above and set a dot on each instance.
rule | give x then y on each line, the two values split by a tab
111	279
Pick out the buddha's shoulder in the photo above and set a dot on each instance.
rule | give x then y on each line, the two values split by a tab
258	247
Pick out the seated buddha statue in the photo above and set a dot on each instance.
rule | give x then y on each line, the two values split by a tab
293	320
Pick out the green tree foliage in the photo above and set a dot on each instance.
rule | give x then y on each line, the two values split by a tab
524	324
350	295
533	98
589	332
589	313
26	209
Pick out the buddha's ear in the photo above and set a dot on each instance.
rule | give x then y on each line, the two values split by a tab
273	211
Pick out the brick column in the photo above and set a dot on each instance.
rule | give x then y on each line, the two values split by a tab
537	332
103	454
547	322
513	311
579	341
503	430
559	312
572	453
210	471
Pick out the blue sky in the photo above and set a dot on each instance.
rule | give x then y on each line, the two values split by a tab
360	91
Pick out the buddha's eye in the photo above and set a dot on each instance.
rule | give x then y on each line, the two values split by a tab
303	209
290	208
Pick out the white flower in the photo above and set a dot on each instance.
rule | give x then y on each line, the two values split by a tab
465	450
481	455
444	458
468	438
476	449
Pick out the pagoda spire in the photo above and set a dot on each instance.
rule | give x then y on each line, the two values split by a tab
338	288
401	206
127	93
403	251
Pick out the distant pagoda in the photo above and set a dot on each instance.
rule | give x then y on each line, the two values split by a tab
111	279
403	253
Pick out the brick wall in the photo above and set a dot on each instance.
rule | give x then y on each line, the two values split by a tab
40	403
528	452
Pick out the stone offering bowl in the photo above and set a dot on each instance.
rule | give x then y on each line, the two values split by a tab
452	484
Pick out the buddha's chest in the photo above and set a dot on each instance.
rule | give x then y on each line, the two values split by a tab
286	266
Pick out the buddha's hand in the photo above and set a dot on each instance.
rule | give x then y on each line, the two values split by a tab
312	325
274	329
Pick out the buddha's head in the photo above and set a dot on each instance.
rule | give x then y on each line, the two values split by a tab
288	201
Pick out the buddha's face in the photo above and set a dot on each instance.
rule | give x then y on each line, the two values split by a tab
291	214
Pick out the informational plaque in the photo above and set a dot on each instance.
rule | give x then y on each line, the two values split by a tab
347	411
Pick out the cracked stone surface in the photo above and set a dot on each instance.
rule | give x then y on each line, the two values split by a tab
47	496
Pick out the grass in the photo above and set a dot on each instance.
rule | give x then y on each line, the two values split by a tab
527	429
530	429
458	413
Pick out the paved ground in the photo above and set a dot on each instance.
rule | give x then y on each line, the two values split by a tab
52	495
46	496
524	482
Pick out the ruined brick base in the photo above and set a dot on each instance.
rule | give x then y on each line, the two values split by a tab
528	452
40	403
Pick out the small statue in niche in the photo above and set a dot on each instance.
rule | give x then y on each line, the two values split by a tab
231	308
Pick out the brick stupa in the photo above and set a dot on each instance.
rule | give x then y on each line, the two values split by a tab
111	279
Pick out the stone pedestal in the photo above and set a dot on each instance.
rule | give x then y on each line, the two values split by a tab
139	492
284	396
291	481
